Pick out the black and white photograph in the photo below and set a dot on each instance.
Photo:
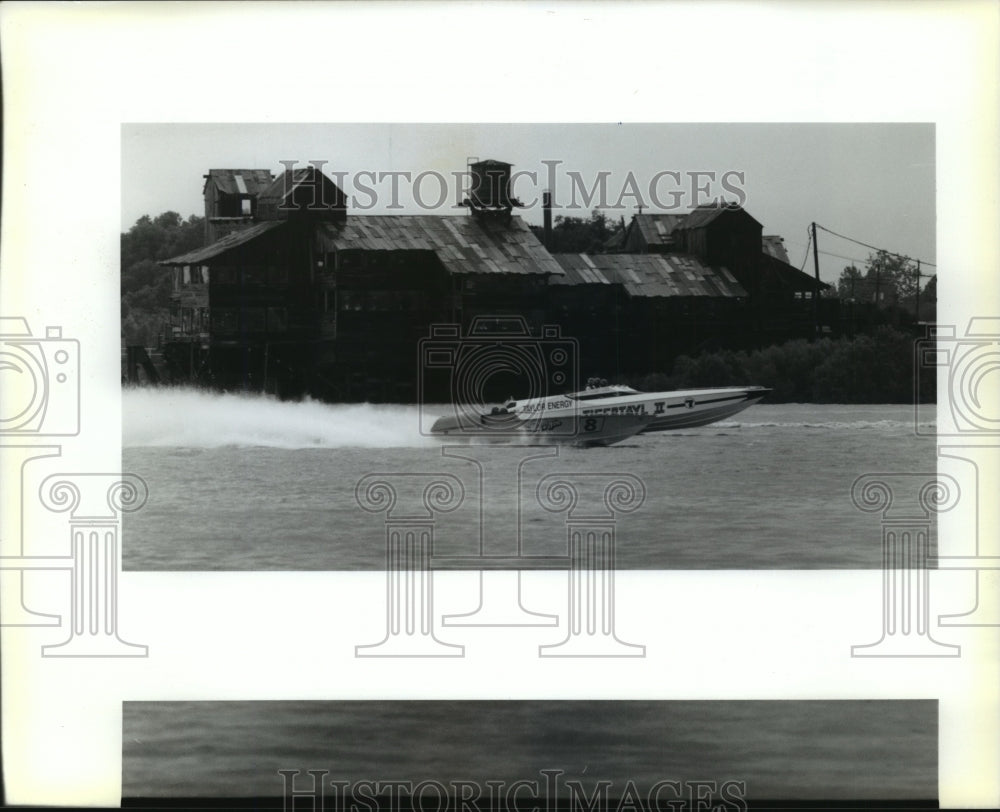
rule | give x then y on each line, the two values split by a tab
520	406
631	314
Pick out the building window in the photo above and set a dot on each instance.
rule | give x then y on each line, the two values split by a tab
225	320
254	319
246	205
225	275
352	300
277	275
277	319
254	275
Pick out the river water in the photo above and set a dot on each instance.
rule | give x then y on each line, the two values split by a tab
250	483
777	750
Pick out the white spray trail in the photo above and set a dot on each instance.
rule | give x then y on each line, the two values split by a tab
193	418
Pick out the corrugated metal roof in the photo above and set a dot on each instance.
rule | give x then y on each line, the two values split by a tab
788	276
774	246
656	228
227	243
649	274
462	243
703	215
279	190
253	180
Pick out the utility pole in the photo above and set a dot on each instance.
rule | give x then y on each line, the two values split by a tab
918	290
816	291
878	281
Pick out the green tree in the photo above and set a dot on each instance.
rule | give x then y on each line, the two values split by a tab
928	301
576	235
892	278
852	285
146	285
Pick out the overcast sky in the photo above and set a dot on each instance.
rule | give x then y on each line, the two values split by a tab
872	182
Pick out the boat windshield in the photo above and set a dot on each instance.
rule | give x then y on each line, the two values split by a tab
603	392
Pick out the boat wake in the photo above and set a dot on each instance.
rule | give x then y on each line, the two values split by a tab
834	425
191	418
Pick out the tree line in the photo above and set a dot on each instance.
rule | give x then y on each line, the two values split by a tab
145	285
890	282
873	367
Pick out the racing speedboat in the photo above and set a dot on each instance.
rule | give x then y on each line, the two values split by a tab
678	409
552	427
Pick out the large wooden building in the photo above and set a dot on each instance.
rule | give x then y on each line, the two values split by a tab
294	294
304	298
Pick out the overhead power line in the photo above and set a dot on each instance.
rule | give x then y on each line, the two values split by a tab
875	248
805	259
808	245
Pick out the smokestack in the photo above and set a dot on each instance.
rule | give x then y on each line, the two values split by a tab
547	219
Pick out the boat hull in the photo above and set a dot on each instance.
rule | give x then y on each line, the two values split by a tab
702	414
667	411
582	431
